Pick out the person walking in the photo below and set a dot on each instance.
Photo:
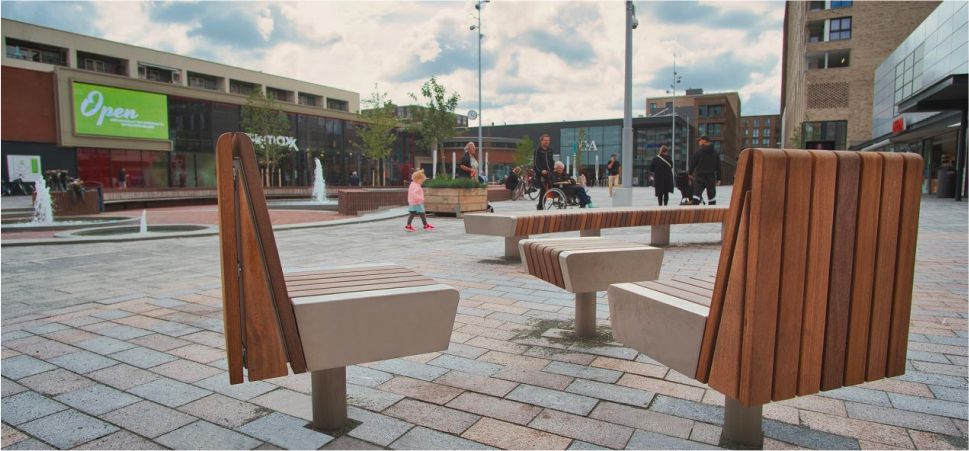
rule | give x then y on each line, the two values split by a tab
705	172
662	169
415	198
354	179
468	167
613	167
122	178
543	165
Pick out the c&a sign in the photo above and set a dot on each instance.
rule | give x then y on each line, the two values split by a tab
122	113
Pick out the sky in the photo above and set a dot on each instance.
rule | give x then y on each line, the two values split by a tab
541	61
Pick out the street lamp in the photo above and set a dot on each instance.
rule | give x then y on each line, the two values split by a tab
624	197
477	6
672	90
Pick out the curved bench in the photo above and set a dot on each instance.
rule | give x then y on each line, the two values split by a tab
813	290
321	321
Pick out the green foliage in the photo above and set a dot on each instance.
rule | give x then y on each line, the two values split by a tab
524	152
377	137
261	117
579	150
433	116
462	183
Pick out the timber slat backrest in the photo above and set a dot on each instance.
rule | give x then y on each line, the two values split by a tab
814	286
260	324
571	221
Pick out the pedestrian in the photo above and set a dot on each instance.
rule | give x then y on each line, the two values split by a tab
512	182
705	172
354	179
415	198
468	167
613	167
122	178
562	179
662	169
542	161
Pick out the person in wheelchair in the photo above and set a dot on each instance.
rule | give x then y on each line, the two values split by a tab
560	179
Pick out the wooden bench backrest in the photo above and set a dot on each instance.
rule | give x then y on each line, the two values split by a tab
814	285
570	221
260	325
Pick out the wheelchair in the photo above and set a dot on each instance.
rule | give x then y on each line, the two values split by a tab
560	197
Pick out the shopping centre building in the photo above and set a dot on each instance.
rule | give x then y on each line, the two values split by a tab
92	106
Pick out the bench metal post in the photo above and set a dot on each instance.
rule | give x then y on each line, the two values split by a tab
595	232
511	246
585	314
329	398
659	235
742	425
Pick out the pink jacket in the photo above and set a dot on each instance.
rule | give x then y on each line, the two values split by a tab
415	194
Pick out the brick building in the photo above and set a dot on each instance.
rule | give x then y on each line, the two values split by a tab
760	131
831	51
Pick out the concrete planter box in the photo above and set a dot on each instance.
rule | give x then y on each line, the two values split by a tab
456	201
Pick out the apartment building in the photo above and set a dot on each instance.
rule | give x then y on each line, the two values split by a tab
760	131
831	51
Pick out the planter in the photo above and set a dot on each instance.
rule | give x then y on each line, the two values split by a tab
67	204
456	201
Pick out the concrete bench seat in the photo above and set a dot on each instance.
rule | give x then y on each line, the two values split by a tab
586	265
517	226
813	291
317	321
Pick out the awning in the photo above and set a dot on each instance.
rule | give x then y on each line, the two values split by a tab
950	93
877	145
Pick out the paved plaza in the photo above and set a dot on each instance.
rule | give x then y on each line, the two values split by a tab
120	346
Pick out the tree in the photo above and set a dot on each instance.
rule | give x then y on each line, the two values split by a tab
796	141
263	121
524	153
579	149
377	136
433	117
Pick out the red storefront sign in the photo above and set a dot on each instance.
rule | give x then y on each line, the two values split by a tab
898	125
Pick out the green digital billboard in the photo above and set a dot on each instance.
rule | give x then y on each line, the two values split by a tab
105	111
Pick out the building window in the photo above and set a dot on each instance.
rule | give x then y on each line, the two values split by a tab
203	81
828	60
101	63
711	111
840	29
306	99
335	104
756	142
815	31
39	53
756	123
828	135
159	74
241	87
837	4
703	129
766	132
714	130
745	123
816	6
669	105
756	133
767	122
908	74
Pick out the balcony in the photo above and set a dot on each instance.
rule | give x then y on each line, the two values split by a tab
162	74
279	95
203	81
38	53
241	87
101	63
335	104
310	99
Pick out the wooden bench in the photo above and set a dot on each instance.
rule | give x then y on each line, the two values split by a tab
813	290
518	226
586	265
321	321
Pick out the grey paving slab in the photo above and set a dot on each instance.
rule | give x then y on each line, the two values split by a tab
902	418
368	377
349	443
410	369
104	345
224	411
56	382
949	393
173	329
167	303
862	395
124	332
22	366
652	440
28	406
205	435
40	330
934	379
609	392
553	399
16	335
143	357
220	384
10	388
97	399
120	440
83	362
580	445
148	419
120	299
168	392
931	406
465	365
122	376
30	443
582	371
112	314
285	431
68	429
805	437
687	409
608	351
376	428
423	438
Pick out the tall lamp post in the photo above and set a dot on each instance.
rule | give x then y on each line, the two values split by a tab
477	6
672	90
624	197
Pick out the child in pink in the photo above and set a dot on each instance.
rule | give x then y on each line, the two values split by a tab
415	198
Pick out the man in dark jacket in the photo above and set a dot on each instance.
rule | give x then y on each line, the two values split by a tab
705	172
544	165
354	179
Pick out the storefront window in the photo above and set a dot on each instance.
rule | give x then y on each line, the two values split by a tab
94	165
130	160
155	169
183	170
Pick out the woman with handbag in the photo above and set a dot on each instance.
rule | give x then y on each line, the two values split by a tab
662	169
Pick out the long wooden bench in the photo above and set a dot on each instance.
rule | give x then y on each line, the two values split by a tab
586	265
813	290
518	226
320	321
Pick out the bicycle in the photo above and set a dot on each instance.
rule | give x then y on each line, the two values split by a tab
17	187
519	192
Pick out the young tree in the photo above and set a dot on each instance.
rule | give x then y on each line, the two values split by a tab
377	136
433	117
263	121
579	149
524	153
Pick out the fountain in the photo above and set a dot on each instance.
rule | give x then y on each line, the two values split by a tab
317	202
43	209
319	185
143	229
43	216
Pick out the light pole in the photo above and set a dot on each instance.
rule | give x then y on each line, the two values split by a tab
624	197
672	90
478	6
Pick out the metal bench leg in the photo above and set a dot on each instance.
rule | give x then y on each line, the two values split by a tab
329	398
659	235
742	425
511	246
596	232
585	314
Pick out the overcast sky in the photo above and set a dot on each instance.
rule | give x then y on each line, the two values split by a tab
542	61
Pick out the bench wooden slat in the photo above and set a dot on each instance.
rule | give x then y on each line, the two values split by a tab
884	285
700	283
763	277
797	216
703	292
343	272
869	198
361	288
677	291
905	266
842	260
228	252
326	284
298	278
818	271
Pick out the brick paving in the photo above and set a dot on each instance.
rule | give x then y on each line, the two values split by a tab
108	346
